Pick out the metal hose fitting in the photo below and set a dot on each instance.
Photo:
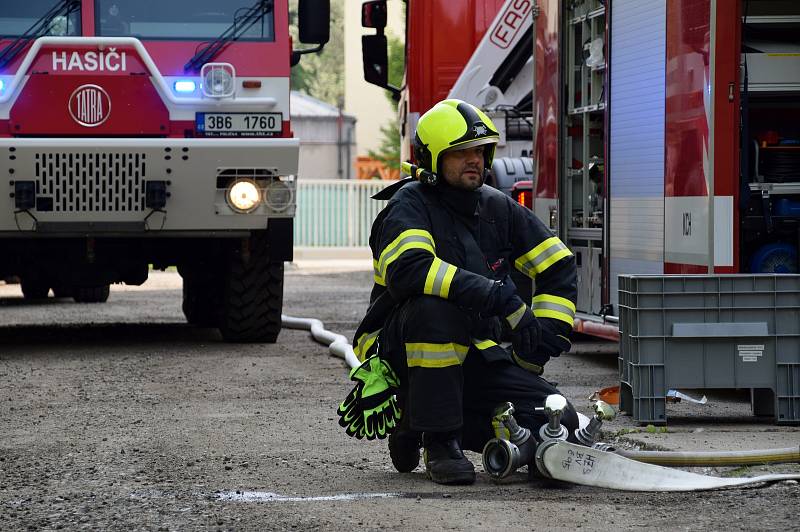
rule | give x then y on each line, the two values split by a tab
511	449
602	412
554	406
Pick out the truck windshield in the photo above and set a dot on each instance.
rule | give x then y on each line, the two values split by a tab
17	17
177	19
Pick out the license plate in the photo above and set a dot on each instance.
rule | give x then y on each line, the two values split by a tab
239	124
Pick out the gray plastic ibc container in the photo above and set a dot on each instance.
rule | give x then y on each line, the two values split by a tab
710	331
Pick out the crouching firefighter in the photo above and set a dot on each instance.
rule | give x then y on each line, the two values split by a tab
444	248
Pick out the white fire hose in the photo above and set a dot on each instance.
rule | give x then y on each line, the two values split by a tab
592	466
337	344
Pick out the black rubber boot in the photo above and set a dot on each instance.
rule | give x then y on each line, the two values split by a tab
445	463
404	446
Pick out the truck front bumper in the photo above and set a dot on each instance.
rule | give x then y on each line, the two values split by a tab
110	185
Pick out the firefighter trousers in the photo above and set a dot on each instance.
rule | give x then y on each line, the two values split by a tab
447	384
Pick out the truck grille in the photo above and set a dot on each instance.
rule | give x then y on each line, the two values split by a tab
92	182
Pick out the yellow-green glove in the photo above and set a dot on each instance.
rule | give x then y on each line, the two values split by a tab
370	410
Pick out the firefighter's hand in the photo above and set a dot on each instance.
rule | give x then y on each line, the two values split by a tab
525	339
525	328
553	342
503	299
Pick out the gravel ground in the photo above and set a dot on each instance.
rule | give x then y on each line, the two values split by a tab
121	417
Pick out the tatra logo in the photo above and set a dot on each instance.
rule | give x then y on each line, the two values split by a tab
107	61
90	105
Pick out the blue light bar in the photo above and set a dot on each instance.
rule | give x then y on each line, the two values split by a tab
2	85
185	86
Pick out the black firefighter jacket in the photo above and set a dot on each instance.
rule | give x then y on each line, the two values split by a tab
452	243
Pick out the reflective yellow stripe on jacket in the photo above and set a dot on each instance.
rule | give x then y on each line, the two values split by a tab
542	257
483	344
440	275
530	366
515	317
427	355
376	274
559	308
408	239
364	343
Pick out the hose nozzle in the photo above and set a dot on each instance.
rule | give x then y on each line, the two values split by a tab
512	447
602	412
554	406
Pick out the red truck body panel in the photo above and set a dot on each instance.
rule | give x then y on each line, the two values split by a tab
726	118
439	43
547	100
138	108
693	121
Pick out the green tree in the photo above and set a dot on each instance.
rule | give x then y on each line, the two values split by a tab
397	64
389	150
321	75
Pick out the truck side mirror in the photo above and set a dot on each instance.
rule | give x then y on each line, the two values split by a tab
314	18
373	14
313	24
374	48
376	59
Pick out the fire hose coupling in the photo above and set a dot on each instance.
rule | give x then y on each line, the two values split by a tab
539	456
512	447
553	407
602	412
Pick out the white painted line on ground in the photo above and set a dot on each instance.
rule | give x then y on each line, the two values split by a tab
267	496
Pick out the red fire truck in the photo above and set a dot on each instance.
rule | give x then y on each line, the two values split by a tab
152	133
666	134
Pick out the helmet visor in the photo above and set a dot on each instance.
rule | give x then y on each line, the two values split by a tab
471	144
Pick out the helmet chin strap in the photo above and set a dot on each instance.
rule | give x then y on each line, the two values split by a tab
484	176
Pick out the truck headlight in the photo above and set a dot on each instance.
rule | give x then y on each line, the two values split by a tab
244	196
218	80
278	196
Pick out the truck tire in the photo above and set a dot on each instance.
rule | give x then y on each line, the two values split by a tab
60	291
253	296
202	300
91	294
34	289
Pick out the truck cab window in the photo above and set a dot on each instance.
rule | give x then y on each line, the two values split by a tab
177	19
18	17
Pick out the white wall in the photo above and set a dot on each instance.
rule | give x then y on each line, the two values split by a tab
367	102
320	151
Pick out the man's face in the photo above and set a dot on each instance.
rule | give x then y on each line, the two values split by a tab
463	168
